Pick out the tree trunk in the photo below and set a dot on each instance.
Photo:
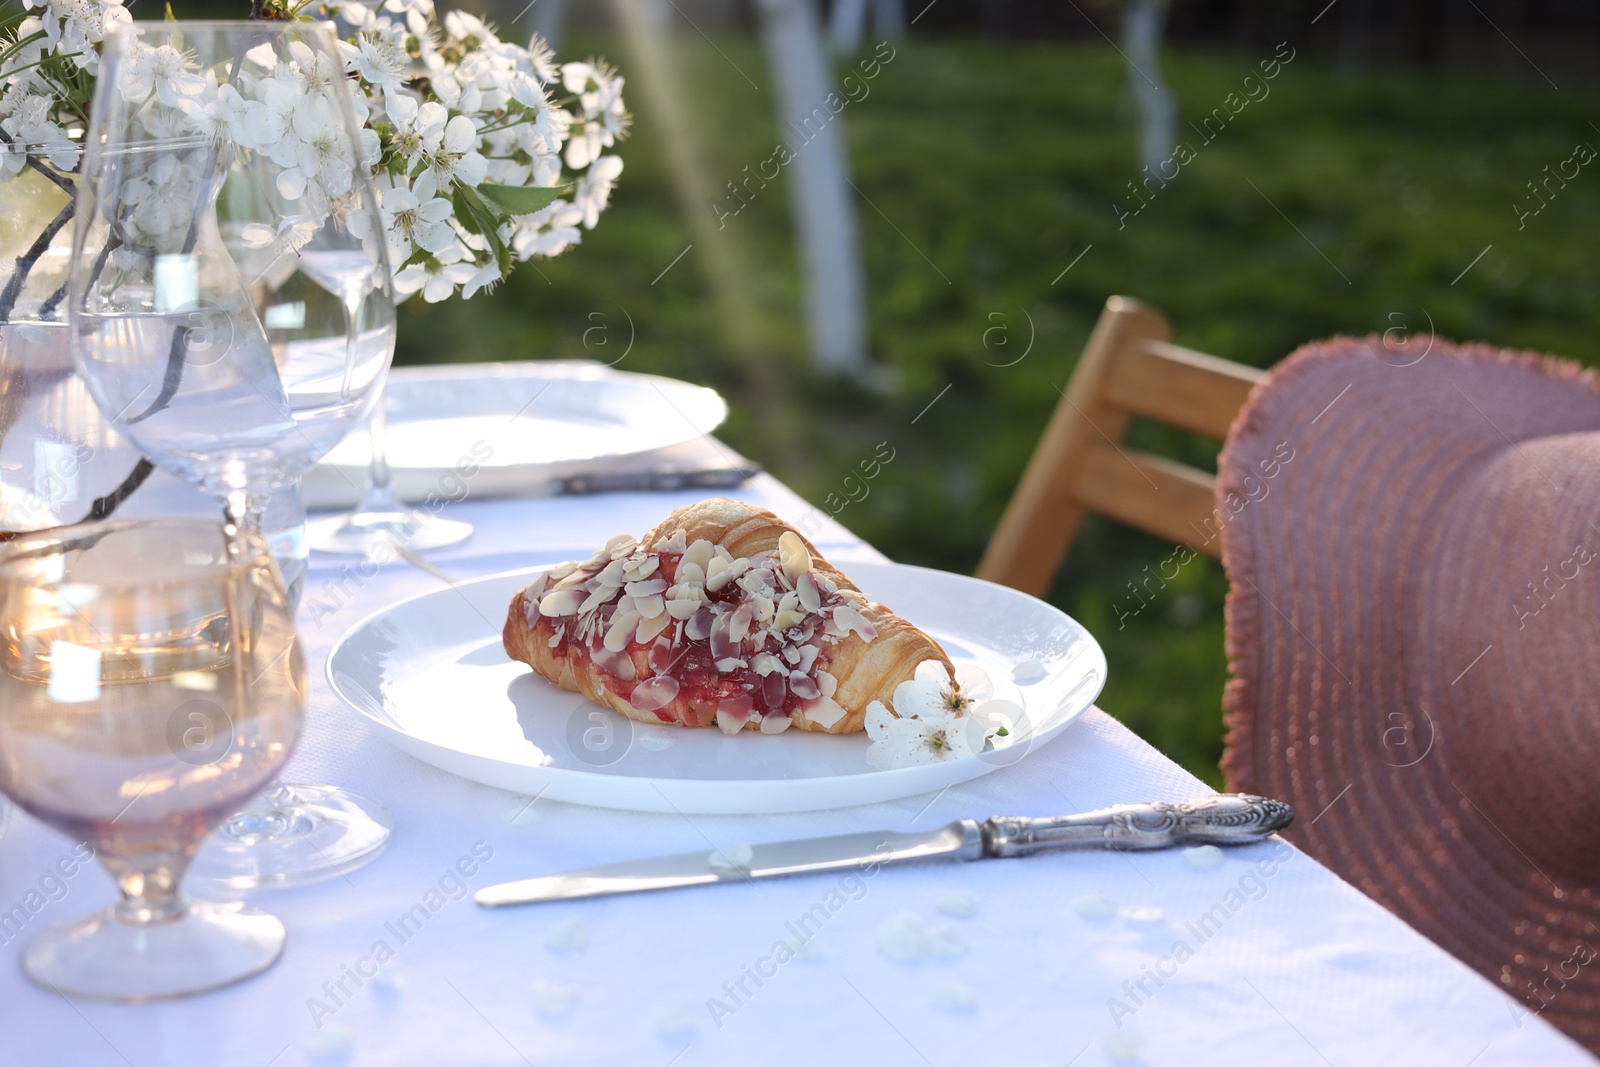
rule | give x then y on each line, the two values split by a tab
1142	24
820	194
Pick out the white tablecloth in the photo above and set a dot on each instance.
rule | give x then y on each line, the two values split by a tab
1258	961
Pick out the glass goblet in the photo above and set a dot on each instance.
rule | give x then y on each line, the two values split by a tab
150	683
381	518
218	154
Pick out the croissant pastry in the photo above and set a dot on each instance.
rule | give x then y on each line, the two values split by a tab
722	614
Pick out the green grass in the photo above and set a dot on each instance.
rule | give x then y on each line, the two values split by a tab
985	169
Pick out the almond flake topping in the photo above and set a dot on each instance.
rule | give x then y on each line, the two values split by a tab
796	557
561	602
772	616
641	567
698	555
652	626
603	595
646	588
621	630
682	607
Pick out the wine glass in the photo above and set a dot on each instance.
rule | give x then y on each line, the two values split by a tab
217	153
380	518
151	683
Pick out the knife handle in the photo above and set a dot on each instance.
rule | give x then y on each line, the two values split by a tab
1223	819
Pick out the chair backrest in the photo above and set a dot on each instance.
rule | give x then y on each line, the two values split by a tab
1128	368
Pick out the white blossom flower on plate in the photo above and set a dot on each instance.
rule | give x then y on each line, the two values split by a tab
908	741
933	691
937	716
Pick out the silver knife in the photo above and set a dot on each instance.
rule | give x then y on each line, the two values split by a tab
664	479
1223	819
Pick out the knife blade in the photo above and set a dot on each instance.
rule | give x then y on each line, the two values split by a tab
664	479
1223	819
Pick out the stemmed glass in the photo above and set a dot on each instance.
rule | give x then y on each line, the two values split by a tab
150	682
217	154
380	518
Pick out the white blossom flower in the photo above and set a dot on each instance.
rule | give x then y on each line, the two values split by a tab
314	69
934	717
542	59
904	741
158	205
217	111
594	190
468	31
548	231
416	129
290	235
323	166
379	56
416	13
163	69
73	28
483	113
31	129
454	159
268	121
355	14
438	276
486	277
603	118
409	220
932	691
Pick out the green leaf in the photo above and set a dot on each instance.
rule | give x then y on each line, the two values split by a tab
170	16
478	216
519	199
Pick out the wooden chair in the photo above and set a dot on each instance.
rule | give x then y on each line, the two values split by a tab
1128	368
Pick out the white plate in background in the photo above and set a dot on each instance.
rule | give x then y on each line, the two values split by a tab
520	424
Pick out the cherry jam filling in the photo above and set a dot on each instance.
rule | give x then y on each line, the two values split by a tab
676	676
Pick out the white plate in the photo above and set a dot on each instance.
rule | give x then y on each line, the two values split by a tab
430	674
521	424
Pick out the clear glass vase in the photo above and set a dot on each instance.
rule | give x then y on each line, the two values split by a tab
60	462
